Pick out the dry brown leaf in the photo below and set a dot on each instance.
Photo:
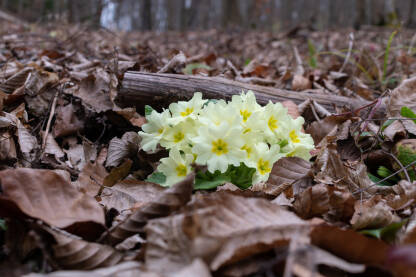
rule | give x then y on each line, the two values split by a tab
125	269
405	195
330	169
46	195
15	81
119	149
28	144
372	214
314	201
91	178
169	200
220	228
288	170
95	91
71	252
395	131
118	173
52	147
67	123
350	245
127	193
39	80
403	96
320	129
7	146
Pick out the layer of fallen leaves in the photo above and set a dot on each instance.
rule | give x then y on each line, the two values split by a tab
73	200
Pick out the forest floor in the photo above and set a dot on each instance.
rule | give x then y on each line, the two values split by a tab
73	195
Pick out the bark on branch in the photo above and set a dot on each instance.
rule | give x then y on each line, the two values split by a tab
158	90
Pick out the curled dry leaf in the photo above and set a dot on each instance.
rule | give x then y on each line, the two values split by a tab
300	83
371	214
70	252
320	129
91	178
404	195
314	201
350	245
403	96
220	228
7	146
119	149
395	131
124	269
39	80
170	200
46	195
15	81
287	171
332	170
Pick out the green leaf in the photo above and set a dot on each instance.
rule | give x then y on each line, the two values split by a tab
384	172
312	55
407	112
188	70
242	176
157	177
148	110
3	225
283	143
386	55
387	233
376	179
387	124
208	180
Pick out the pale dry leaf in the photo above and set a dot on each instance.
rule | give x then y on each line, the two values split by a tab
127	193
196	268
167	202
395	131
28	144
46	195
372	213
178	60
52	147
15	81
39	80
409	233
403	96
220	228
125	269
404	195
119	149
300	83
70	252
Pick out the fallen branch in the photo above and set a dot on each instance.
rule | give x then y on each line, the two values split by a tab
158	90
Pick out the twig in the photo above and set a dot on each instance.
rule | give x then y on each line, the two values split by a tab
347	58
48	125
382	180
373	110
314	112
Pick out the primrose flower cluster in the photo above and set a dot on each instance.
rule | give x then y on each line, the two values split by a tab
219	134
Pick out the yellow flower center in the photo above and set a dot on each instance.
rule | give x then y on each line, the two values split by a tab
188	111
181	170
263	166
294	137
178	137
272	123
160	130
245	114
247	149
219	147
